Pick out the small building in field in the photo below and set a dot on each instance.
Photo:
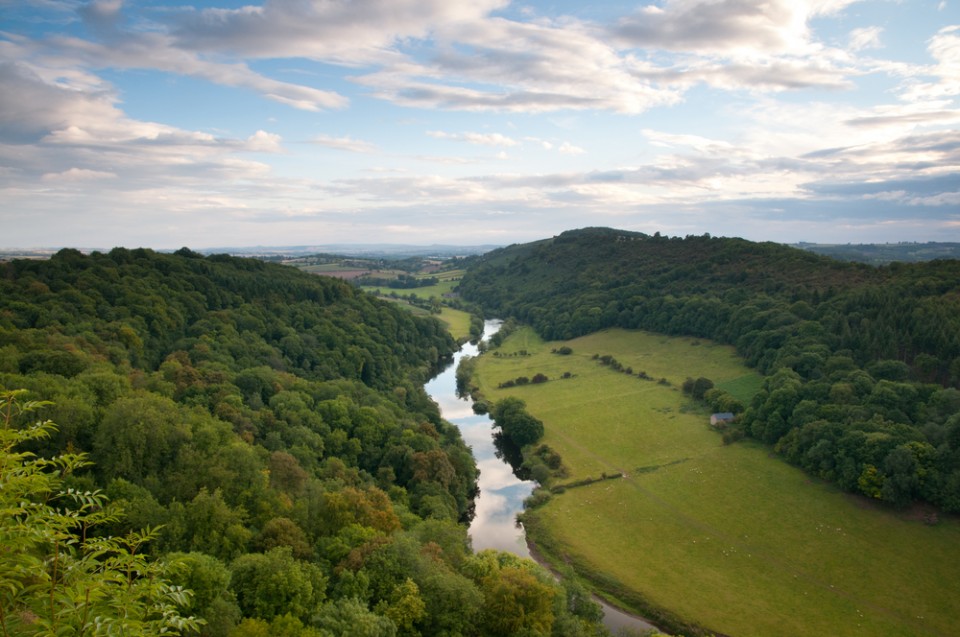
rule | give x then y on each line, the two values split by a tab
721	418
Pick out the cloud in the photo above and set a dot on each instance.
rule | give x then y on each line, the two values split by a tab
495	64
696	142
62	124
865	38
263	142
102	15
569	149
940	199
61	134
905	115
30	108
724	26
344	143
470	59
78	174
944	48
156	51
342	31
482	139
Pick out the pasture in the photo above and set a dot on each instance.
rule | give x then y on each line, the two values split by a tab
457	322
729	538
427	292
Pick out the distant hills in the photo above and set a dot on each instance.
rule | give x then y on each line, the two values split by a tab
368	250
372	250
871	253
882	253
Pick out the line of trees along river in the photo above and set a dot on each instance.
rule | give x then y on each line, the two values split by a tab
501	492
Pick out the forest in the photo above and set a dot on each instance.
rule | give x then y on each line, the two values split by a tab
210	445
862	363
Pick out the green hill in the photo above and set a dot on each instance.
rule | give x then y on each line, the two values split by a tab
863	363
271	426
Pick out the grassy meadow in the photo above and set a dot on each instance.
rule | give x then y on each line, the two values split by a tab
457	321
447	281
726	537
426	292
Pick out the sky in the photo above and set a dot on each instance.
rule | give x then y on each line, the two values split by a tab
214	123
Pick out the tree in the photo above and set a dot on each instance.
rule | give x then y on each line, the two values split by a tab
284	532
56	576
517	603
139	435
405	607
511	416
351	618
274	583
209	579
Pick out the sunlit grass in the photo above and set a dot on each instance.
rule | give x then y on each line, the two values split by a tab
457	321
426	293
729	537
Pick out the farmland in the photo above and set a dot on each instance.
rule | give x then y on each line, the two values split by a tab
698	533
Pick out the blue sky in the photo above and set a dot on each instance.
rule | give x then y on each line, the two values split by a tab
296	122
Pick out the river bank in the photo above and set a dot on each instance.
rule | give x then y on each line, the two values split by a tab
502	493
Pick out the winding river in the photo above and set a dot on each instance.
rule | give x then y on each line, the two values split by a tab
501	492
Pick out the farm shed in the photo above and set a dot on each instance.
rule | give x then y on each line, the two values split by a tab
721	418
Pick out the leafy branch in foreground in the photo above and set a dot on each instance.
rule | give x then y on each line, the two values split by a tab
56	578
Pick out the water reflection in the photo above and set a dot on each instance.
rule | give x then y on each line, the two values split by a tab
501	492
508	452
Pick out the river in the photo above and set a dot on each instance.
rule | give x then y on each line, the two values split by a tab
501	492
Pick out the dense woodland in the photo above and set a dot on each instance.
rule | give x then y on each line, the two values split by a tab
269	431
885	253
862	362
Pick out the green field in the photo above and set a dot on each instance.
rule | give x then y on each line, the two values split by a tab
331	269
442	287
457	321
727	537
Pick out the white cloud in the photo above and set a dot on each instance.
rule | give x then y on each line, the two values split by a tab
476	61
906	115
887	195
157	51
62	124
496	64
342	31
725	26
78	174
344	143
482	139
944	47
696	142
866	38
264	142
940	199
57	134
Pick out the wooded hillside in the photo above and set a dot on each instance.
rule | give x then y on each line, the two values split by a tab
273	426
863	362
